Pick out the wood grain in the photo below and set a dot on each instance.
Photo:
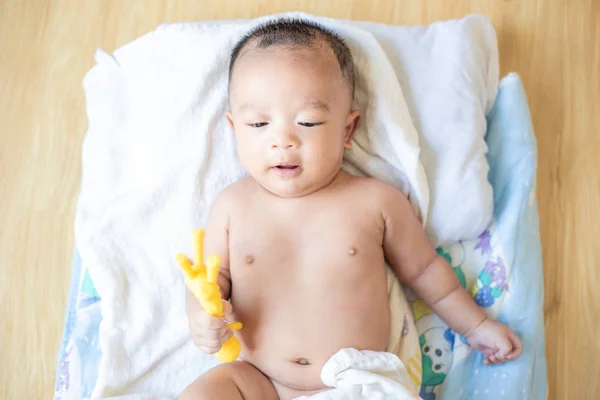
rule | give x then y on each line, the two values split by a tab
47	46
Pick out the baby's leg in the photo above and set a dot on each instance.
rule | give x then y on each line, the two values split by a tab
238	380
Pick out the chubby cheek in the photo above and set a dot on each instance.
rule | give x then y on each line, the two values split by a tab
325	151
249	152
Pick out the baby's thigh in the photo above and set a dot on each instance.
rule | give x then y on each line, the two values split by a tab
238	380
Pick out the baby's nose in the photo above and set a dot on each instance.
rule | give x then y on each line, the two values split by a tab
285	141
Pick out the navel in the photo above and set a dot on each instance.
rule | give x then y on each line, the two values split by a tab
249	259
352	251
302	361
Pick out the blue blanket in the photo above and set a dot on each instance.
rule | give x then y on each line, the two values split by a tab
513	159
502	269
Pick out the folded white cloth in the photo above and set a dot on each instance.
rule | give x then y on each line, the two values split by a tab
449	73
158	151
365	375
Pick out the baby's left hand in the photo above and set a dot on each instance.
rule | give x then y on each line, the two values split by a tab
496	341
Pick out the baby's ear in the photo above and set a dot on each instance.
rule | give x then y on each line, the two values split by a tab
351	124
229	118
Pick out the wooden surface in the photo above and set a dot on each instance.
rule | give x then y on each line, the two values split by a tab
47	46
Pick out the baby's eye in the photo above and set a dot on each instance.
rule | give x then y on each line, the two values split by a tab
258	124
310	124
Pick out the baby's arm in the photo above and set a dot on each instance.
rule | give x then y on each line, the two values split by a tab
216	241
208	332
417	264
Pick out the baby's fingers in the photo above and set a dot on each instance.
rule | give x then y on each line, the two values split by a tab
204	320
228	311
517	346
207	326
490	359
211	346
508	349
487	353
215	333
505	346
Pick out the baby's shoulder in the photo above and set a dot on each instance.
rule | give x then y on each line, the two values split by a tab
381	196
374	188
233	194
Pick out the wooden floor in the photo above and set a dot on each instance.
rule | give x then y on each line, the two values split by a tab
47	46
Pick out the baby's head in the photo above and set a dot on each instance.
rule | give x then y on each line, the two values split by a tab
291	85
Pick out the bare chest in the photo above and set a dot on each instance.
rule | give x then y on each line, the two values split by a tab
303	243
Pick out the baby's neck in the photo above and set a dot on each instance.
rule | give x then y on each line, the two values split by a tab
340	177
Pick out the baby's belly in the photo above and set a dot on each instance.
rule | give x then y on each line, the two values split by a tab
294	324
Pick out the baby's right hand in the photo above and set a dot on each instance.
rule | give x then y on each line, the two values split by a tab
208	332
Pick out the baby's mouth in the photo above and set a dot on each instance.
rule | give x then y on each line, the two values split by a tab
287	170
286	166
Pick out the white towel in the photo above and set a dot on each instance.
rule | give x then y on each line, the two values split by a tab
365	375
156	154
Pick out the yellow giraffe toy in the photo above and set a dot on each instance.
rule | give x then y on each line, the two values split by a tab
201	280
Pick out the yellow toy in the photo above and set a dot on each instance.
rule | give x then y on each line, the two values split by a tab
201	280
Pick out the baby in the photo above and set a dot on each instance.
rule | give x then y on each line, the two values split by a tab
304	245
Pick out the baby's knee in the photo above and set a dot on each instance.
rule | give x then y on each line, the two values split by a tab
238	380
213	384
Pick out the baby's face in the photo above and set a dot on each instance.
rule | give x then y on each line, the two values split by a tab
290	110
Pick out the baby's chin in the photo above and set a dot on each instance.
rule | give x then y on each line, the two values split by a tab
290	188
289	191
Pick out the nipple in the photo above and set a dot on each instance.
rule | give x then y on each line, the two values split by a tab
352	251
249	259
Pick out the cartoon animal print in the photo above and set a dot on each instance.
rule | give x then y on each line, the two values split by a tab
491	283
436	349
484	244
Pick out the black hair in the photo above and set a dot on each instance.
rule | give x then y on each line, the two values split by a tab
297	33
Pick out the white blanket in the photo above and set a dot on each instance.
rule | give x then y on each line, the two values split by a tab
158	151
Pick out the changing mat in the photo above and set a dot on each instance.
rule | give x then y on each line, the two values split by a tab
502	269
